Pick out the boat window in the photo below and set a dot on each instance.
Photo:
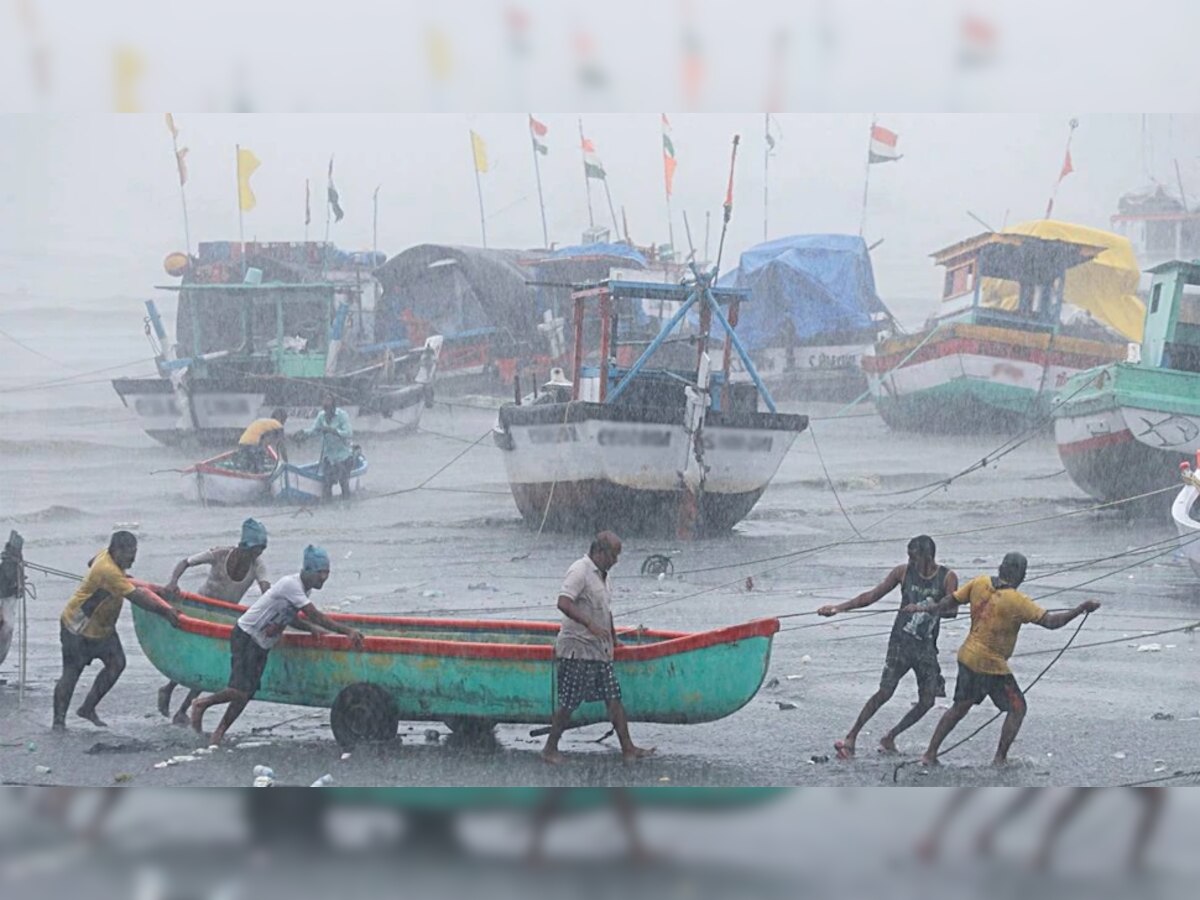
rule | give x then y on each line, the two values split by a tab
959	280
1154	296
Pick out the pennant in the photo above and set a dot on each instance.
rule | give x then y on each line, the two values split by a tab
770	138
538	130
1067	168
479	152
307	205
247	164
181	164
171	125
592	167
883	145
668	154
332	196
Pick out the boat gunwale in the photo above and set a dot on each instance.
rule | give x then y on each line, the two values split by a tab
671	643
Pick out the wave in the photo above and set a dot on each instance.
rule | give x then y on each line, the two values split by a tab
53	513
32	447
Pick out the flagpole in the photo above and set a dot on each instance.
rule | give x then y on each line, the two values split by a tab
667	191
328	205
187	234
862	221
1072	125
307	209
237	168
766	167
587	182
537	173
612	212
478	189
375	223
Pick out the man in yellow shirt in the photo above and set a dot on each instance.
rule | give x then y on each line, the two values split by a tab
998	610
261	435
88	626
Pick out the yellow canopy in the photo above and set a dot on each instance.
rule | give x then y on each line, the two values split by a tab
1106	286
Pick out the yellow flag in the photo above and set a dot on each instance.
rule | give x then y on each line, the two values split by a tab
128	67
480	150
247	163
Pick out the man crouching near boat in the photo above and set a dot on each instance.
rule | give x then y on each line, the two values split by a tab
583	653
998	610
260	628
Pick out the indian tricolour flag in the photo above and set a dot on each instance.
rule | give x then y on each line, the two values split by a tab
592	167
883	145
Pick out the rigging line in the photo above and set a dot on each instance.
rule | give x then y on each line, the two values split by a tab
1032	684
816	446
72	379
38	353
1121	640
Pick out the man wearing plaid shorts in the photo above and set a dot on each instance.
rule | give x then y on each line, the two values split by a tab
583	653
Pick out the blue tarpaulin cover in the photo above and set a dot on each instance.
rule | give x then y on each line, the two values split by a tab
822	284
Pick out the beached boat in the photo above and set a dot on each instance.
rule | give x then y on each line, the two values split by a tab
223	480
276	327
470	674
11	589
304	484
1123	429
814	314
644	450
1001	347
1186	513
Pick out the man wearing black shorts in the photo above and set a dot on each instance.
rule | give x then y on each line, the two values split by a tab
583	653
913	642
998	610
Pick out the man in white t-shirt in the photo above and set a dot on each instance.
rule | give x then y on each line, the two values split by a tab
260	628
231	571
583	653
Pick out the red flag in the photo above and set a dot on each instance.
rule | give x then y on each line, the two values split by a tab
1067	168
537	127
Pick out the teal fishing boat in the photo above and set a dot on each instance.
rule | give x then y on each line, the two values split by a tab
470	674
1123	429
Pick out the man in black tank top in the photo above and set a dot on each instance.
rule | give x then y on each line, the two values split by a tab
913	642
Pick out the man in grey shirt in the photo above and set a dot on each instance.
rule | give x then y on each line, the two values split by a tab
583	653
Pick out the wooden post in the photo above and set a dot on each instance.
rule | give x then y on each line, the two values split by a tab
577	364
733	320
605	340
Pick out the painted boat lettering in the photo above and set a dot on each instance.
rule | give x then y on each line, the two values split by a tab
641	437
758	443
553	434
826	361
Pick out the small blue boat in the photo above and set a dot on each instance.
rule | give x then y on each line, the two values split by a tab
305	484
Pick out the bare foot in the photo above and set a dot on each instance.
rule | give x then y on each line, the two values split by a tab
58	726
845	749
553	757
1000	762
90	715
887	744
164	700
181	718
928	760
197	720
636	753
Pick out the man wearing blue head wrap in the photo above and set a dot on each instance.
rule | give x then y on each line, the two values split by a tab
231	571
259	630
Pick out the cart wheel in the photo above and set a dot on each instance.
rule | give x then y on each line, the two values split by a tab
472	730
363	713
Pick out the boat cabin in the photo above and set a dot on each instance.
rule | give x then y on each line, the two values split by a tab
1024	272
599	377
1172	333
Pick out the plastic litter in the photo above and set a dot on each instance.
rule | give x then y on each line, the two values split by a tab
429	595
250	745
1149	648
264	771
42	770
345	756
31	747
1118	755
264	781
806	658
784	704
324	781
161	765
184	757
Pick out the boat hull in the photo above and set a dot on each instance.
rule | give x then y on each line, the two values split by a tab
8	624
304	484
1122	430
813	373
970	378
213	482
439	669
585	466
1183	512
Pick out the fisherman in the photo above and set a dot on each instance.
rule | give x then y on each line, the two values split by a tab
88	626
260	436
998	610
259	630
231	571
337	453
913	642
583	653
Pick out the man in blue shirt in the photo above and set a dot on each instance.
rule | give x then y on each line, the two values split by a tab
337	452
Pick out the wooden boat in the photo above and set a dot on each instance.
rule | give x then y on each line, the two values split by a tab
1123	429
467	673
304	484
998	352
1184	511
11	588
642	450
221	480
276	326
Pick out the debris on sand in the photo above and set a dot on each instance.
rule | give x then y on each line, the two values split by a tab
482	586
1163	717
1149	648
130	746
784	704
1118	755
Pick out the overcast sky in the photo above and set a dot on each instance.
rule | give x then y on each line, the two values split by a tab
89	204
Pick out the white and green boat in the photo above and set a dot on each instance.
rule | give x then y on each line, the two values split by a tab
1124	428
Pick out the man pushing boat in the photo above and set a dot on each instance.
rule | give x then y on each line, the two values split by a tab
913	642
583	652
231	571
259	630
